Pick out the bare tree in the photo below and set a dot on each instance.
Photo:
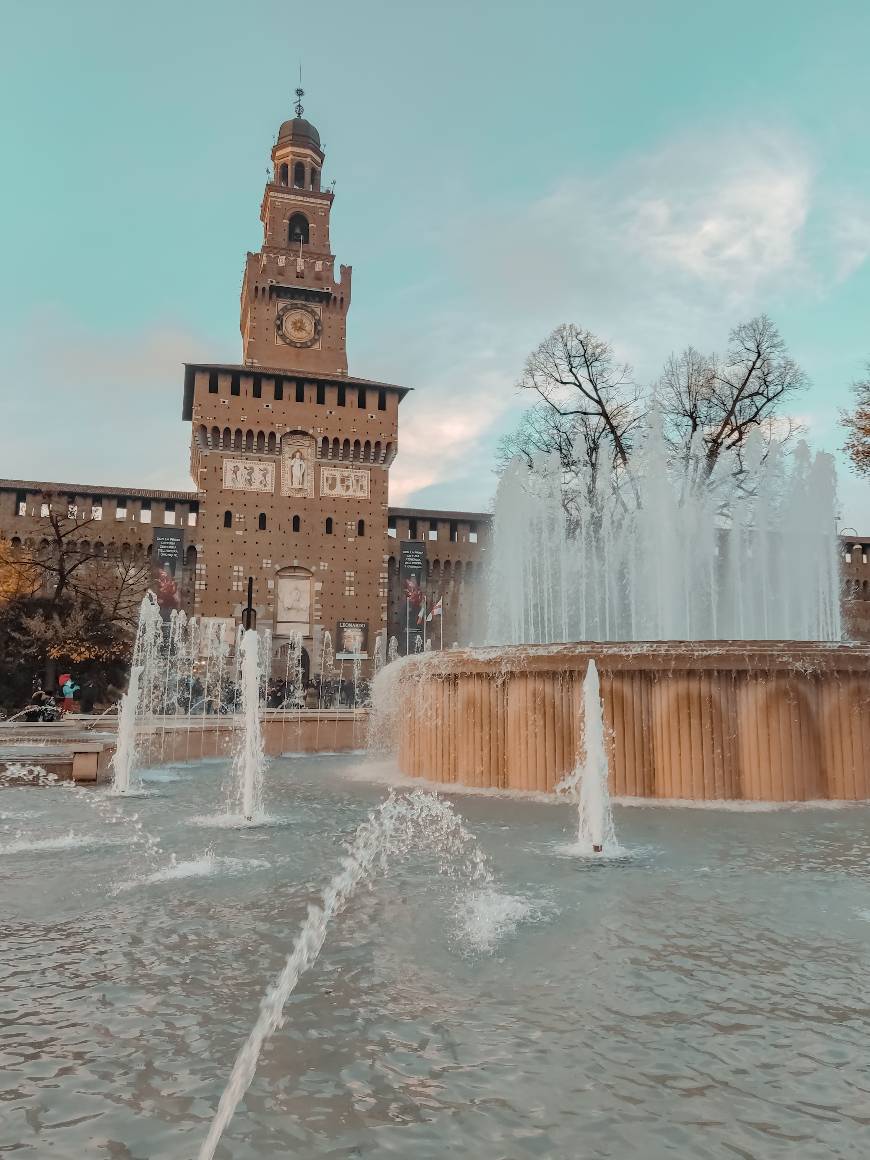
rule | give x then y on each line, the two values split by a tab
757	376
857	425
582	444
722	401
541	431
117	586
576	374
589	408
684	396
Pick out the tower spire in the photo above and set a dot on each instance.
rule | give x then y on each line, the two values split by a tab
300	93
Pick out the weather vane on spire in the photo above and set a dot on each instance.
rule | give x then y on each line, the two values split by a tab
300	93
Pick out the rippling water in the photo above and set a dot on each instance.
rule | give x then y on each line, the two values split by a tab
705	997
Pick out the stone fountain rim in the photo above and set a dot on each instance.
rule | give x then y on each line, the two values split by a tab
792	656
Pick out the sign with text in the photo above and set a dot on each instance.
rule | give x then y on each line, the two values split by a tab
412	574
167	565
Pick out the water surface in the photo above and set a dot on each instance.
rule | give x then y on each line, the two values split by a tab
705	997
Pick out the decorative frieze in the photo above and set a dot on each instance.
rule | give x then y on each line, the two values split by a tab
249	475
345	482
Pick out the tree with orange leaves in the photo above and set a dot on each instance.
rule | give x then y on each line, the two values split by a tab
857	424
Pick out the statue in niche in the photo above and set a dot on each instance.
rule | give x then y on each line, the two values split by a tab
297	470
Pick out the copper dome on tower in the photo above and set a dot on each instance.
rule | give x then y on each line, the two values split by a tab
300	131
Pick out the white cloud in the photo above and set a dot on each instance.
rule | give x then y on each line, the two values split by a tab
661	250
439	437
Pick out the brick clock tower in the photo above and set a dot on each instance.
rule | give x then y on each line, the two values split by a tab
289	452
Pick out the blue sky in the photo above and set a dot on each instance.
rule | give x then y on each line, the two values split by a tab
656	172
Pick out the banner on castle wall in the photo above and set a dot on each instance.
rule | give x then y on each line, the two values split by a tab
412	574
167	568
352	640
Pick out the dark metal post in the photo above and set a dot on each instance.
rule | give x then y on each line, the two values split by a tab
249	616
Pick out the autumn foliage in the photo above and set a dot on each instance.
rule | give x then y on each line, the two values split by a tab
857	424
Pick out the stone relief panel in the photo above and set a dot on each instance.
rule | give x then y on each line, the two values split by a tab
297	466
249	475
345	482
293	613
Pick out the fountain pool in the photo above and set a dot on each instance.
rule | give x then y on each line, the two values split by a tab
701	997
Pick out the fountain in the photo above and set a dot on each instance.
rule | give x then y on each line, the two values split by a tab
588	781
249	761
709	602
747	553
140	692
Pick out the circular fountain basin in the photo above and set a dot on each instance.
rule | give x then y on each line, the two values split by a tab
700	720
712	981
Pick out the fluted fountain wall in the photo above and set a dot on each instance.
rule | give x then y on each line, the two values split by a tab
761	721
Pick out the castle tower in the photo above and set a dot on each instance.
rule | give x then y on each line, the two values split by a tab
293	312
289	452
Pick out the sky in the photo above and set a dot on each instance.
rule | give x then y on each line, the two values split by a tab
655	172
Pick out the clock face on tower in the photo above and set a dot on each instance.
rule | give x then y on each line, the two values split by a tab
298	325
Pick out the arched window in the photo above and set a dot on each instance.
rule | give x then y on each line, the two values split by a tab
282	174
360	527
329	525
261	522
299	175
228	519
296	523
297	229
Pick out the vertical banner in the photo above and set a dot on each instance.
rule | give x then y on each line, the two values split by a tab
412	574
167	564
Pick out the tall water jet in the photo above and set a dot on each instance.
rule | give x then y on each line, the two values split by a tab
143	675
250	760
124	758
589	780
380	652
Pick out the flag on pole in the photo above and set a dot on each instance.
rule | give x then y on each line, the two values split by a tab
421	615
436	609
